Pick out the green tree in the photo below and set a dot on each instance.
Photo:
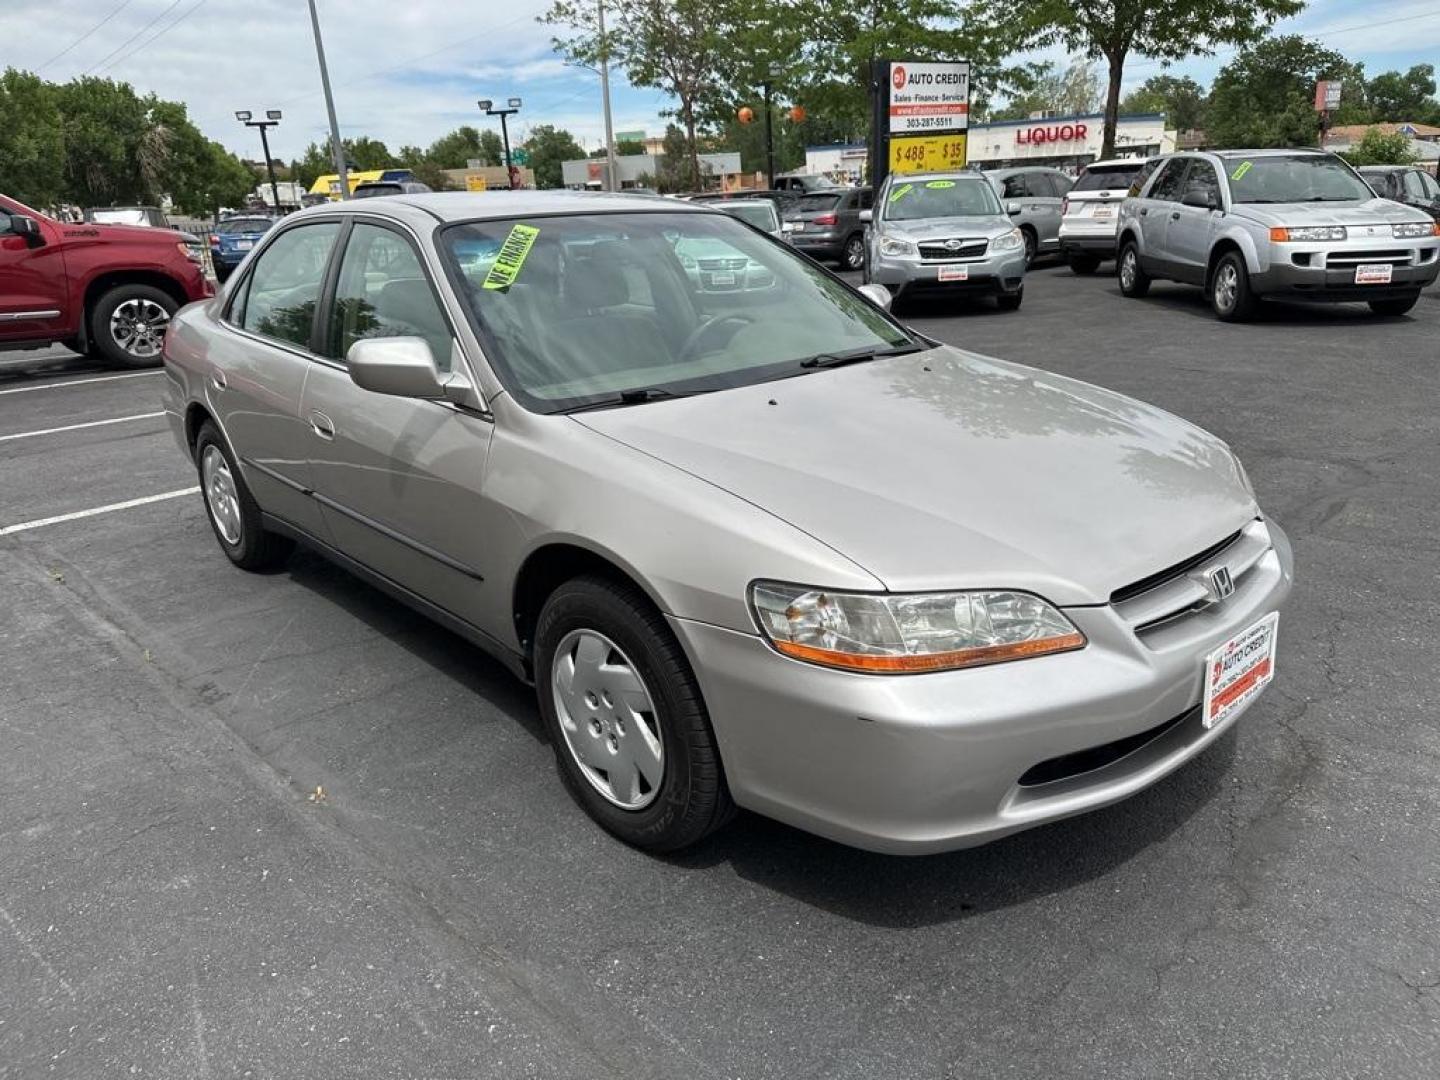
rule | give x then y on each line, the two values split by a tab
1113	30
1378	148
1408	97
458	148
1180	98
32	147
366	153
1074	91
1266	95
548	147
103	123
315	162
679	170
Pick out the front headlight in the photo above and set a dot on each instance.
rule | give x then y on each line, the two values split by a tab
1309	233
895	634
1414	230
1013	240
890	245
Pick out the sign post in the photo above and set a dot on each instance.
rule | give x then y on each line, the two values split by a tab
1327	100
921	116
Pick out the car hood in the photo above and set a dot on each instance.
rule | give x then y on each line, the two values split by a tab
1360	213
967	225
127	234
944	469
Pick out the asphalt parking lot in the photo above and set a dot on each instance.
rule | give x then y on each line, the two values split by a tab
279	826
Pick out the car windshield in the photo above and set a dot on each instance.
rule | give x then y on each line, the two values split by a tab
1302	178
912	200
578	310
1110	178
817	203
761	215
244	226
120	217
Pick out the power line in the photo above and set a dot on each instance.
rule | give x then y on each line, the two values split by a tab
146	44
126	43
115	11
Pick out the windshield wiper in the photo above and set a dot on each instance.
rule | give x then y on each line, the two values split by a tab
632	397
856	356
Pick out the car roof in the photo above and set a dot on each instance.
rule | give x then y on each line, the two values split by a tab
1294	151
726	203
952	174
1118	163
1383	168
447	206
1014	170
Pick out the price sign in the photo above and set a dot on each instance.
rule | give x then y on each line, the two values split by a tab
927	153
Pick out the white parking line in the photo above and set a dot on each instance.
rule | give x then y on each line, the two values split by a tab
79	382
77	427
42	522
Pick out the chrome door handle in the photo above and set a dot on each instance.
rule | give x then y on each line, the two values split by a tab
217	379
1143	211
321	425
1175	216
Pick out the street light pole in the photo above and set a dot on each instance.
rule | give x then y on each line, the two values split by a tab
272	119
612	181
774	71
337	148
513	107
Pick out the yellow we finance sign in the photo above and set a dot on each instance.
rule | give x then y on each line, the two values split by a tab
927	153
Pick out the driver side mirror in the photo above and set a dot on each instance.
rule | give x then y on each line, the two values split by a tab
1012	208
28	227
877	294
1206	200
867	216
405	367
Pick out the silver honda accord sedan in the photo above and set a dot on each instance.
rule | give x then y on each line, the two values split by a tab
754	542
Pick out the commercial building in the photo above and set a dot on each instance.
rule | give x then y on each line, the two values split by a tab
1062	141
640	170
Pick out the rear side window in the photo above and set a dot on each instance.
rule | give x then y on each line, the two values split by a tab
1167	185
816	203
383	292
284	286
1108	179
867	198
1059	184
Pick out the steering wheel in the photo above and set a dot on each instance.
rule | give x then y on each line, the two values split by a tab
698	334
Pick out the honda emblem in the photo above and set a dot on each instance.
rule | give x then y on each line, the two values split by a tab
1218	583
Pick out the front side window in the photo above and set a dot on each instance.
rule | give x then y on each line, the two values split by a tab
1016	187
382	292
284	286
914	200
1167	185
1298	179
579	310
1202	180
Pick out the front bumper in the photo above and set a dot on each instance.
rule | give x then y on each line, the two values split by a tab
924	763
1309	272
1002	273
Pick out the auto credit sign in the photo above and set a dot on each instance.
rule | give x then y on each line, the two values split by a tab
928	98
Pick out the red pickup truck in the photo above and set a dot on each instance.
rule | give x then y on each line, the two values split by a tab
108	290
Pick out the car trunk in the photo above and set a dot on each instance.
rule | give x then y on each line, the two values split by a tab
815	213
1098	193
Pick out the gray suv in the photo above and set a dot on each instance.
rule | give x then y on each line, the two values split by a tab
1032	196
1292	224
827	225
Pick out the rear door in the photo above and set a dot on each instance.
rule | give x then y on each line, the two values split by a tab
1191	229
1154	210
398	479
34	291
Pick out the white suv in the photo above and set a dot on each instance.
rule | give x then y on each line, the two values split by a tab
1091	210
1291	224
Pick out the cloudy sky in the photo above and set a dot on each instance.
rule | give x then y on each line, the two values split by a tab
406	71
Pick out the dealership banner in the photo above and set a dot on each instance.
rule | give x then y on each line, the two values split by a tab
921	115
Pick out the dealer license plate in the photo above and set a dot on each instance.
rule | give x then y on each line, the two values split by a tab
1373	274
244	245
954	273
1103	212
721	278
1237	671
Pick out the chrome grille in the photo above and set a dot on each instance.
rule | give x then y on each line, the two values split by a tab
1347	259
734	265
935	250
1179	590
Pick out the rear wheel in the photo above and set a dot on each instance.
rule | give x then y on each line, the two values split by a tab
1397	305
128	323
1010	301
1084	264
1230	293
1032	245
853	256
1133	279
631	734
233	512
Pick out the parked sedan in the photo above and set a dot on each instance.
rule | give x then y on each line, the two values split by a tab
233	239
944	233
1032	195
759	547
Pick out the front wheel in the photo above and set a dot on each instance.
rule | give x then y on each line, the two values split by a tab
1010	301
631	734
1032	246
853	257
128	323
1133	279
1397	305
1230	293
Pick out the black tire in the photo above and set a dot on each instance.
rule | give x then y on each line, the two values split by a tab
222	273
1032	245
1134	282
692	799
1395	305
254	548
1230	294
852	255
1084	264
142	350
1010	301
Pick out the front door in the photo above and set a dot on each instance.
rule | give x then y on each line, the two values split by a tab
33	288
398	479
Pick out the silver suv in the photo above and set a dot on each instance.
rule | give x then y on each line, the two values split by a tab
1291	224
944	232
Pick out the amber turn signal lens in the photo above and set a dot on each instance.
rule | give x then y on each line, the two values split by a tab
946	661
1279	235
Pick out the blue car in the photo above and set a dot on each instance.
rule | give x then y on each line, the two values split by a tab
232	240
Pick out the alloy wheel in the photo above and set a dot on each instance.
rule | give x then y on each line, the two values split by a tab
138	326
854	253
1227	285
608	718
220	494
1127	269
